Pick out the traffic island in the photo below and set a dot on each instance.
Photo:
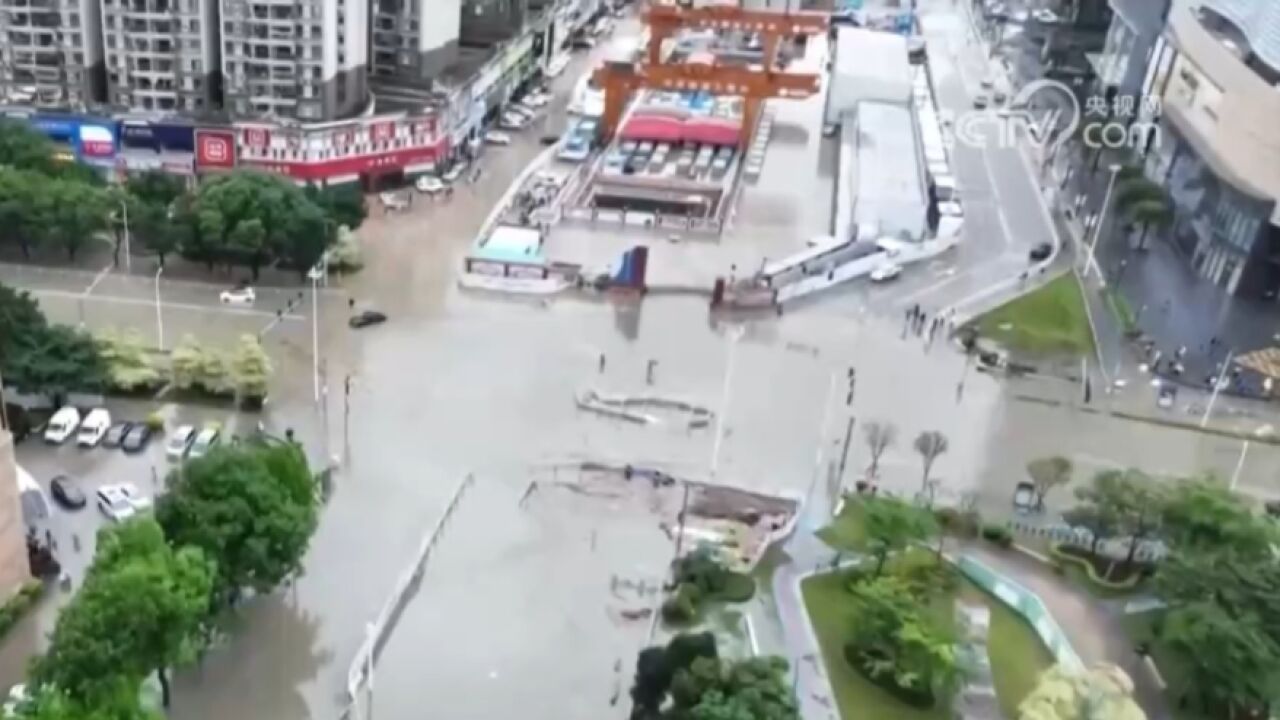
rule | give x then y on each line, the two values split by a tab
1050	320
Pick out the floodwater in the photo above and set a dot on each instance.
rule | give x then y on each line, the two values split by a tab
514	614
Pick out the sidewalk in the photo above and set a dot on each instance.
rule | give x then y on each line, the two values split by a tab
1093	626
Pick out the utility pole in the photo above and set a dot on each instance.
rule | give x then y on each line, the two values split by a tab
346	417
848	430
1217	387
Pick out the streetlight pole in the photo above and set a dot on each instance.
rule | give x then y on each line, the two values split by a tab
1090	261
1217	388
315	273
159	314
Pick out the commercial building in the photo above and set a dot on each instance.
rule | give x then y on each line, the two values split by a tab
1136	25
161	55
51	52
1216	71
868	65
881	186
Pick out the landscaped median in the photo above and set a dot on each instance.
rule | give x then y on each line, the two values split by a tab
1048	320
888	630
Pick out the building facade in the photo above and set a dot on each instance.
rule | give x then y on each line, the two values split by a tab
303	60
1131	38
51	52
14	566
413	41
161	55
1219	149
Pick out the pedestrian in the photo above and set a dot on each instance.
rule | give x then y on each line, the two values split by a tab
602	361
648	375
351	303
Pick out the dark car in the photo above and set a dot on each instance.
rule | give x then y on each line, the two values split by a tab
367	318
1040	252
549	140
115	434
66	493
137	438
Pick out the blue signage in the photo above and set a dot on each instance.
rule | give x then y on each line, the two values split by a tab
92	139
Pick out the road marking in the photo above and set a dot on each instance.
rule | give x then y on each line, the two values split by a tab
217	309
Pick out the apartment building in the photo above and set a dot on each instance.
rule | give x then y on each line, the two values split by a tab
1135	27
295	59
161	55
14	567
51	52
1216	72
413	41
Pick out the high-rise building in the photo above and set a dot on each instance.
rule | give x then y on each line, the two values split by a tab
14	567
298	59
414	40
1215	73
161	55
51	52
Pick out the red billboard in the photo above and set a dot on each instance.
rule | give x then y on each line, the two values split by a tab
215	149
355	165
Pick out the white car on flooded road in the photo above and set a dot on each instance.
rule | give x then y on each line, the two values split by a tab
238	296
429	184
886	272
493	137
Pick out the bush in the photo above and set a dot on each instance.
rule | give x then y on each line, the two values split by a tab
998	534
738	587
12	611
155	422
682	606
872	665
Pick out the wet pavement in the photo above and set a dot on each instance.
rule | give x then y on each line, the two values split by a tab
459	383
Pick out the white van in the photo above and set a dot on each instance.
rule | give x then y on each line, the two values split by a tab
94	427
62	425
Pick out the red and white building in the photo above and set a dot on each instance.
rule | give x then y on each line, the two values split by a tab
360	150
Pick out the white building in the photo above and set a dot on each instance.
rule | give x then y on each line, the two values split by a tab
881	188
413	40
304	59
869	65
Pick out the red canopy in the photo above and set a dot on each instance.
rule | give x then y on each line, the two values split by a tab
662	128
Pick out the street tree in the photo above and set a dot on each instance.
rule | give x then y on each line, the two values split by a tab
1103	692
157	188
53	361
879	436
161	229
930	444
251	507
25	148
118	701
141	610
20	223
20	318
1099	520
897	641
1131	498
1235	666
1203	515
1143	202
1048	473
344	204
751	689
891	525
73	213
250	370
656	666
186	363
129	365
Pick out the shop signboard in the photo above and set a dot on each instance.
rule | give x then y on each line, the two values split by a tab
215	149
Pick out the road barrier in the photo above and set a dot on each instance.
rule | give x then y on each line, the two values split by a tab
1028	605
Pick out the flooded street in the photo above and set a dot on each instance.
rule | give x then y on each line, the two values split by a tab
516	614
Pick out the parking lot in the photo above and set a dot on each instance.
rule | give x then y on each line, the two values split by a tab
92	468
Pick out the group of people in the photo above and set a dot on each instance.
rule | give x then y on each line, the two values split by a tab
918	321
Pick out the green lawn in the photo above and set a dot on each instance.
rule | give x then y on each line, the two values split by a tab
1017	655
1051	319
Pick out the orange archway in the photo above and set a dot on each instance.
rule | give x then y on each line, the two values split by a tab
621	79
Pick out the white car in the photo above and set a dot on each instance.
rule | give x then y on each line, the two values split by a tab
179	442
493	137
238	296
537	100
454	172
393	201
886	272
512	122
62	425
140	502
95	425
1046	16
17	698
429	184
114	503
204	442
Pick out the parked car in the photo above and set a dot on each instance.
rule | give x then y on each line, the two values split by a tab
583	42
452	174
512	121
1166	396
114	503
180	442
62	425
116	434
65	493
493	137
137	439
1040	252
205	441
135	497
429	184
393	201
1046	16
886	272
537	100
94	427
367	318
243	295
